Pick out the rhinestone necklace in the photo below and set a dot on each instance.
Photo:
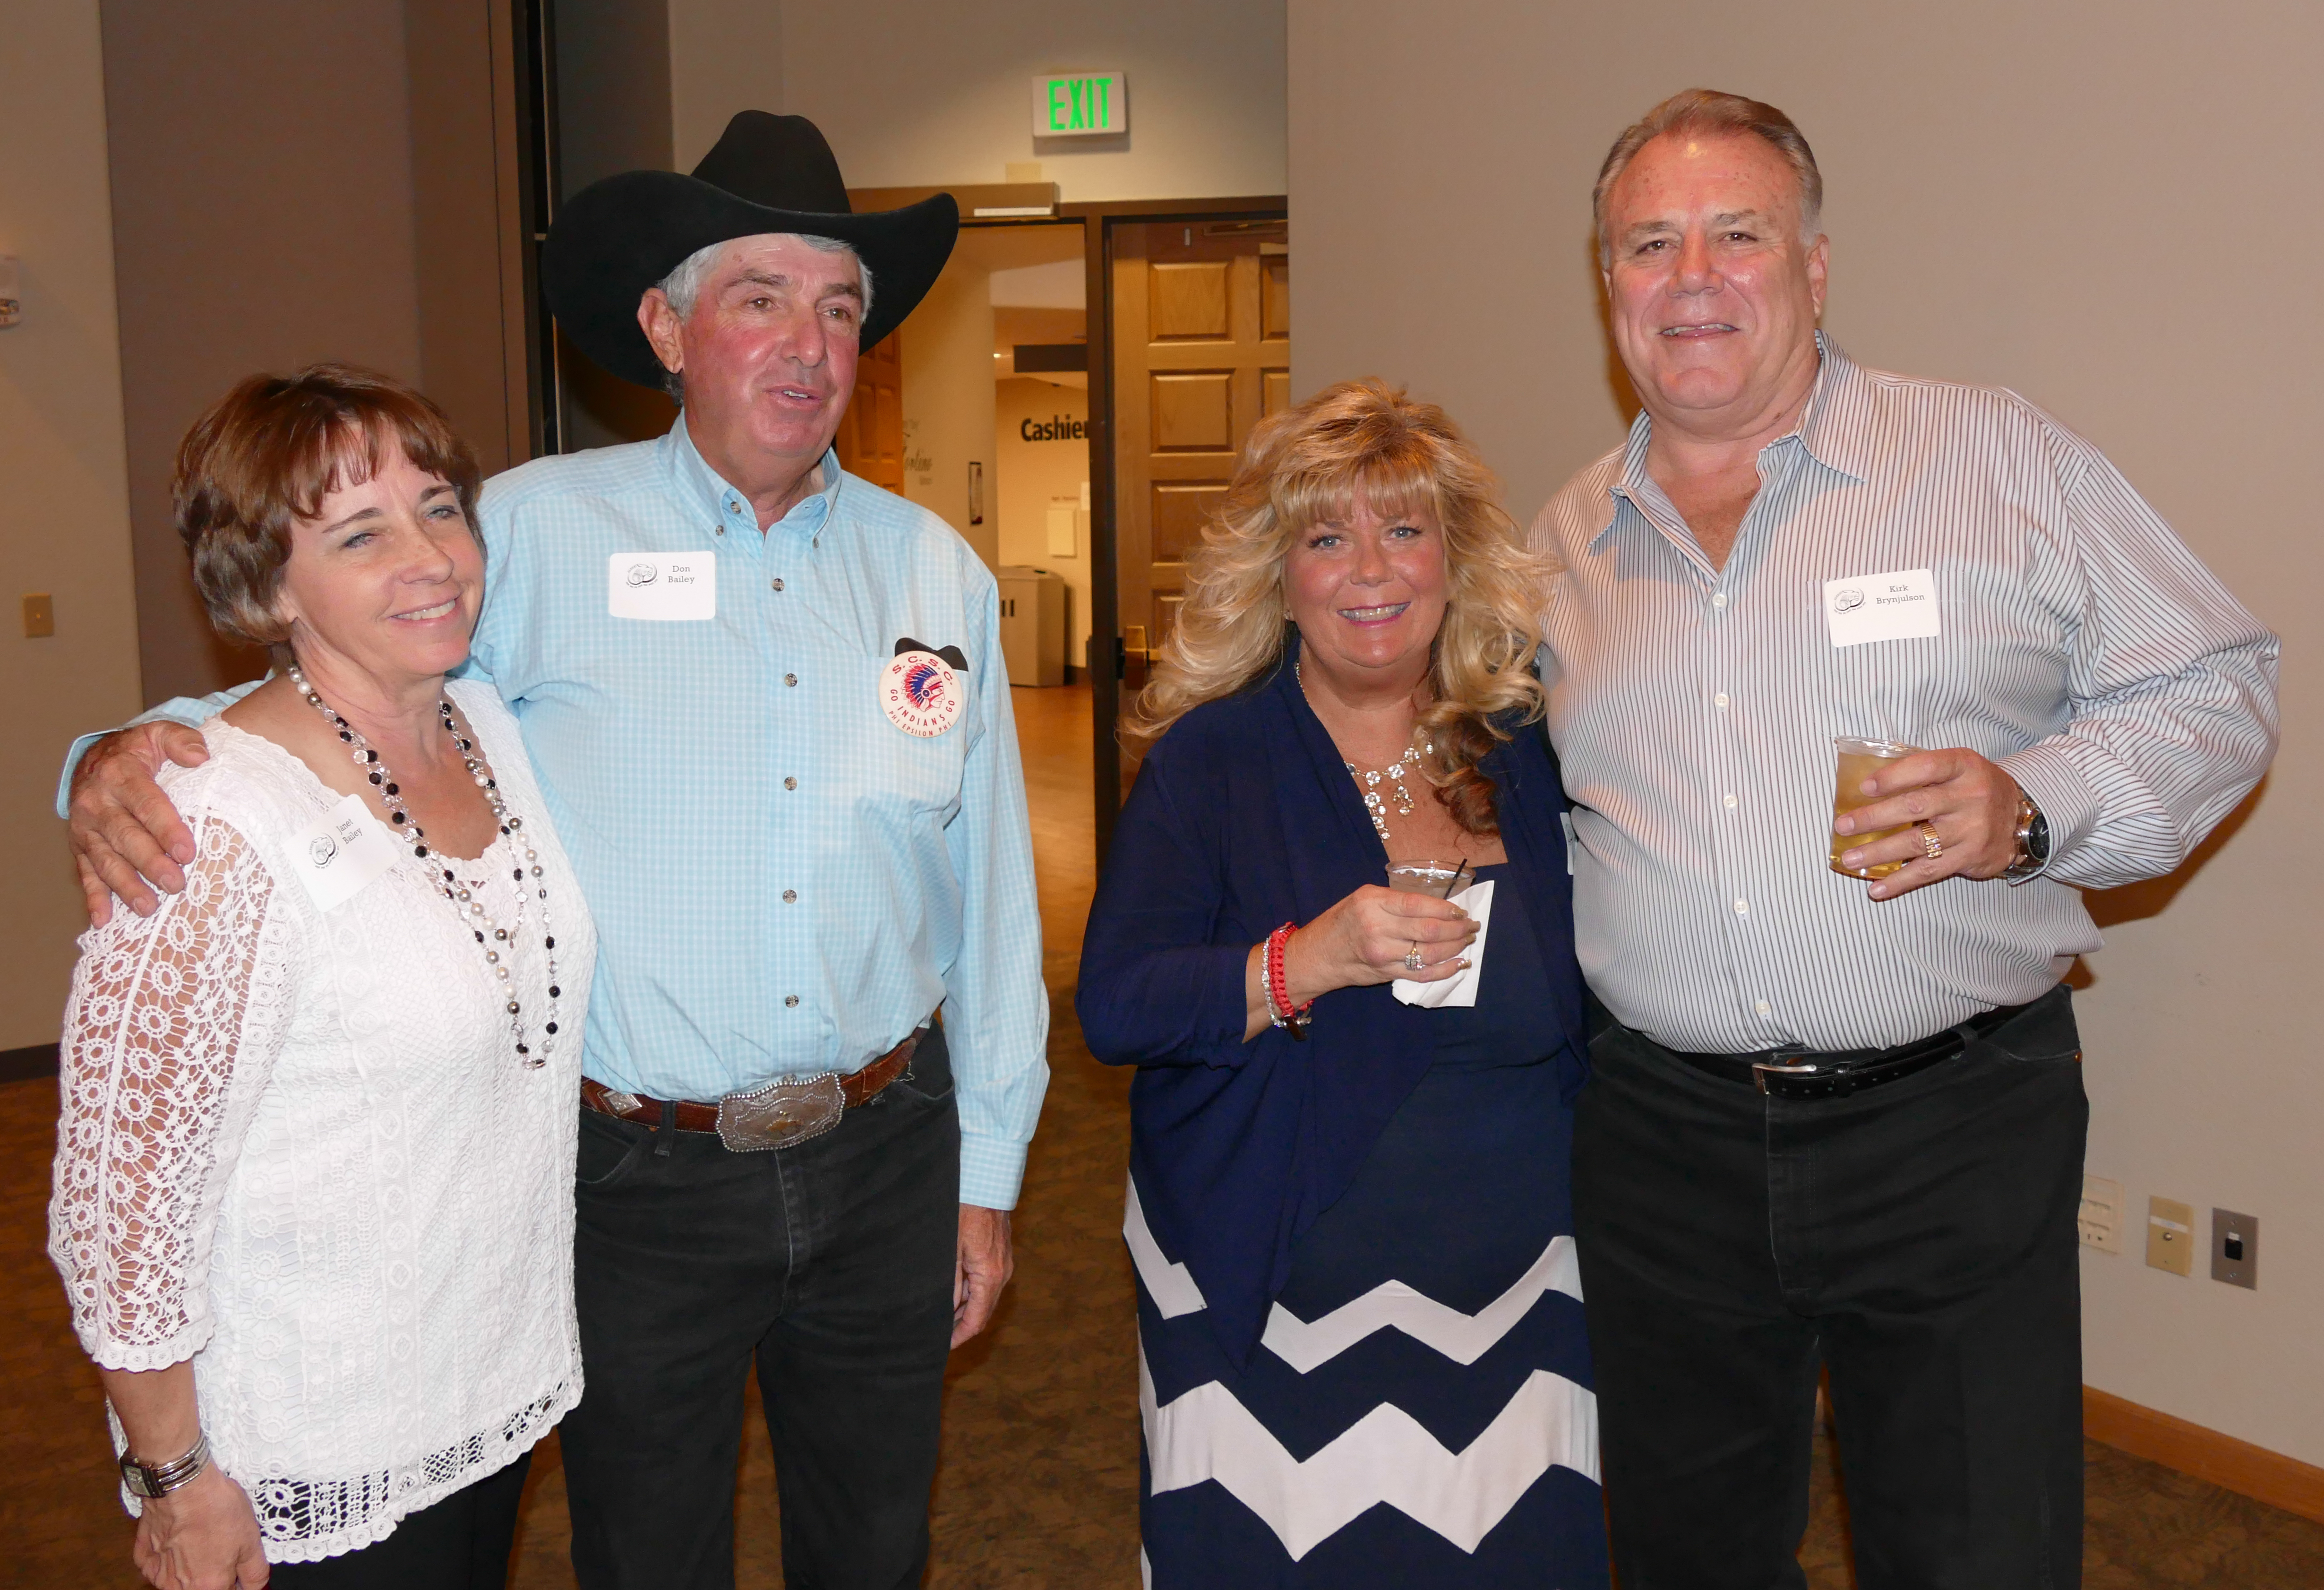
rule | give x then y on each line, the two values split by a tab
489	932
1393	775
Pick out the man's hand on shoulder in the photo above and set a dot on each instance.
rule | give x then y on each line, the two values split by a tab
125	833
985	1265
1969	803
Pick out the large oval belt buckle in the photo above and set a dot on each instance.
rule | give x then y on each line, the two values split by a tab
779	1114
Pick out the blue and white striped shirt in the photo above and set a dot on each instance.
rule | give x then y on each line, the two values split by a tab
2079	644
784	881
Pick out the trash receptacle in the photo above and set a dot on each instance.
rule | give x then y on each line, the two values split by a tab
1032	624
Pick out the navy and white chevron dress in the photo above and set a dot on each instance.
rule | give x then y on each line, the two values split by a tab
1419	1411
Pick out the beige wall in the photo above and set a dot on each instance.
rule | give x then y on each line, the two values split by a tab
260	239
2106	207
1035	473
64	506
913	91
947	348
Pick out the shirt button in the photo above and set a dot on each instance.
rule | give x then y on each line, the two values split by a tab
790	679
1730	803
791	784
1764	1008
1720	701
775	584
717	530
1719	600
789	1000
1742	907
790	897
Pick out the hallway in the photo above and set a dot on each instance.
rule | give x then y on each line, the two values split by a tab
1039	1477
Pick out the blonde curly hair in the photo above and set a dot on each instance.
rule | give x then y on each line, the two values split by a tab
1363	440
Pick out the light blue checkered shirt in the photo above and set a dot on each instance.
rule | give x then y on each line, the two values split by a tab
784	881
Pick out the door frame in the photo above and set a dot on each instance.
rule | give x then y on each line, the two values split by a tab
1098	220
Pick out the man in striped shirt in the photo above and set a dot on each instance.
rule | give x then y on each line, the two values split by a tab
1835	1123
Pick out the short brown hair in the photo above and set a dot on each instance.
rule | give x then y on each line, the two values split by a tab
264	456
1707	110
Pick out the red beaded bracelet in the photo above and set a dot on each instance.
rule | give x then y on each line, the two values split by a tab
1279	1007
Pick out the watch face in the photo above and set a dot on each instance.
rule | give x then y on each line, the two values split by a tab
2037	838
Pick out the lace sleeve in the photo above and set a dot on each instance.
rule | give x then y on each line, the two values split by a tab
173	1029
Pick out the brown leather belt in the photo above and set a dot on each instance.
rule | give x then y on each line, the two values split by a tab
858	1089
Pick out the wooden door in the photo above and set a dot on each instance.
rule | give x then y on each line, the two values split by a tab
870	439
1201	351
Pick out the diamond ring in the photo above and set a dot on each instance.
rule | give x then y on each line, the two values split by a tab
1412	958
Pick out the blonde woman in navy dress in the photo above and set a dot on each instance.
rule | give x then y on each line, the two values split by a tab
1362	1359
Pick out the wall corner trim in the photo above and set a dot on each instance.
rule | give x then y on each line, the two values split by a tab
2223	1460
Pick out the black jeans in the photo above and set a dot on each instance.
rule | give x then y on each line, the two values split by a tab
1918	1240
460	1543
832	1262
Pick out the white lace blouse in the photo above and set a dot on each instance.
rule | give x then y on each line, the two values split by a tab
299	1147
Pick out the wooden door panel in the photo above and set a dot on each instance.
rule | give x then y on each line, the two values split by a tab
1189	300
1179	510
1194	412
870	439
1200	351
1274	299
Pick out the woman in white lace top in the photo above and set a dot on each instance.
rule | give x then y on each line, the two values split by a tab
314	1179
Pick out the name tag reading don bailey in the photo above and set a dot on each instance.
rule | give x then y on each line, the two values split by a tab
662	585
340	853
1896	606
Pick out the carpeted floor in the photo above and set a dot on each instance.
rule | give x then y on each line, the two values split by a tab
1038	1485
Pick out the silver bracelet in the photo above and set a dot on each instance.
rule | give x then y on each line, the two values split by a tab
159	1479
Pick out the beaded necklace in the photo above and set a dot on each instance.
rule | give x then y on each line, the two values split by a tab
1368	781
490	933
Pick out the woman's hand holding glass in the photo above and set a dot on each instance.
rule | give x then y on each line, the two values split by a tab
1365	940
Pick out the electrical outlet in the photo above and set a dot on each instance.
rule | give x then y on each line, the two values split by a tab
2235	1248
2101	1215
2171	1236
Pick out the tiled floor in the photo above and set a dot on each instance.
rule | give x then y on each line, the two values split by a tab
1038	1486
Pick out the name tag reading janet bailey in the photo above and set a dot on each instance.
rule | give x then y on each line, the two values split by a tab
1897	606
662	585
340	853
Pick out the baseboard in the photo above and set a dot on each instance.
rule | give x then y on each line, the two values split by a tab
21	1064
2223	1460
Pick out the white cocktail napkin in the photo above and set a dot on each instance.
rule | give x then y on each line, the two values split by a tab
1460	989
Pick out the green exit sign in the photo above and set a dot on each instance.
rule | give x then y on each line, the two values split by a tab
1080	104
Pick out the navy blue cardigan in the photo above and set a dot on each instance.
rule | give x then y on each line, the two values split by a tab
1244	817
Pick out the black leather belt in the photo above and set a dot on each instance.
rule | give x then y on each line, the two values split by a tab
1807	1074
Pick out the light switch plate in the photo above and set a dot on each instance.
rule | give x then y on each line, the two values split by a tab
2101	1214
2171	1236
2235	1248
39	617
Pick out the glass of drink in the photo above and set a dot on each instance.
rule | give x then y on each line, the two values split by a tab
1443	879
1858	760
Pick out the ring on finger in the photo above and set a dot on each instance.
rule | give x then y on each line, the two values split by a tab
1412	958
1930	843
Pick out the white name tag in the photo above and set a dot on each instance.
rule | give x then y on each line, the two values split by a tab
662	585
1897	606
342	852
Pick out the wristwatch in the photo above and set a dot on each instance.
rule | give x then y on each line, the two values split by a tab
159	1479
2033	841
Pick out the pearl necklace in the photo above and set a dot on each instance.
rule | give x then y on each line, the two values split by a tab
1393	775
472	914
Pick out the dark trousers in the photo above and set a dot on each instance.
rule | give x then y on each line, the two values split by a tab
460	1543
831	1262
1917	1241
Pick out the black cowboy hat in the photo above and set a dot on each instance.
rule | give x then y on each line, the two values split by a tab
767	174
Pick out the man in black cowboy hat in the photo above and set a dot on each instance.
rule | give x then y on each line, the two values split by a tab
767	704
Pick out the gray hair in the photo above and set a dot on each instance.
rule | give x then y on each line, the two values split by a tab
1707	110
683	285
